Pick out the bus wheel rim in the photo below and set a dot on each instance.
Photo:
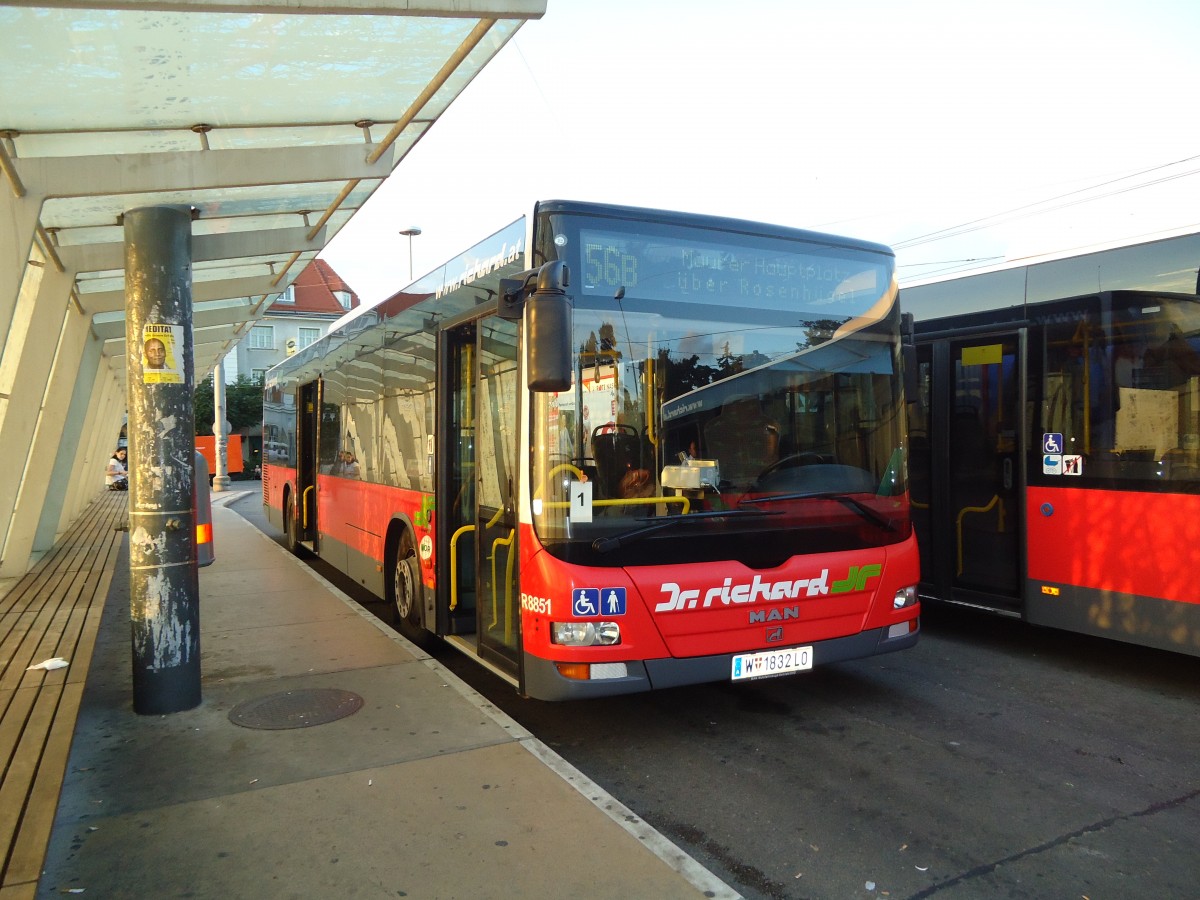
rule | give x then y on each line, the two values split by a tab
402	584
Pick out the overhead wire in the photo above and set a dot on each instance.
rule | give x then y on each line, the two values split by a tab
947	266
1039	207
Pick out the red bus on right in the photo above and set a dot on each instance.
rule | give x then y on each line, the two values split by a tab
1055	441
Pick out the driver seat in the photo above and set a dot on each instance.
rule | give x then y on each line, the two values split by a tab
617	450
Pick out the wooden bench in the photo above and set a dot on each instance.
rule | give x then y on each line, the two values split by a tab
54	610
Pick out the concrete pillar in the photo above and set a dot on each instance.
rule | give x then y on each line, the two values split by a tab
164	588
220	428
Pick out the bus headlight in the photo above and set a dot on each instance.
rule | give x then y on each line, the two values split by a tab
905	597
585	634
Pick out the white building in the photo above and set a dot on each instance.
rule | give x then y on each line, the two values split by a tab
301	315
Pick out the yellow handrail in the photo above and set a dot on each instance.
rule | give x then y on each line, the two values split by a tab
976	509
454	555
454	564
508	596
304	505
632	501
648	388
503	542
561	467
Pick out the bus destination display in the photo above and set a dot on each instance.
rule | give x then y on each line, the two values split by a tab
707	272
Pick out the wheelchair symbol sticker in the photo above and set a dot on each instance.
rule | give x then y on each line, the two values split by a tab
609	601
585	602
1052	442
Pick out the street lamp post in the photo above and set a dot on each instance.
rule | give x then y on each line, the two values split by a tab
411	232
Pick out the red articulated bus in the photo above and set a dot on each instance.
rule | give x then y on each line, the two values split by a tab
1055	441
612	449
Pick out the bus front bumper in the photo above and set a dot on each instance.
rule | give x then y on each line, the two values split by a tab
544	682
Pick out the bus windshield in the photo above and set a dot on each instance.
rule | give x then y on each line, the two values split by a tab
720	371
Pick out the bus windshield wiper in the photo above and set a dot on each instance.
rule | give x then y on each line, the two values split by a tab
846	500
607	544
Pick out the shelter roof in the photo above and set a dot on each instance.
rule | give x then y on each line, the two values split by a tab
273	120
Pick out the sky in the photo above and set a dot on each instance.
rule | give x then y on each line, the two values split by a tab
960	134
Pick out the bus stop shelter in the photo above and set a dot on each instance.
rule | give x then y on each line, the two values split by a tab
167	168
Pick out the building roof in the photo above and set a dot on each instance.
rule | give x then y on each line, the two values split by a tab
314	294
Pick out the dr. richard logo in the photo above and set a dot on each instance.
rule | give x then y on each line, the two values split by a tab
760	591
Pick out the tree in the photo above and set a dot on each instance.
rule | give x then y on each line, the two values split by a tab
243	404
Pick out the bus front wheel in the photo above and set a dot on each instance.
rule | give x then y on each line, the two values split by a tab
404	588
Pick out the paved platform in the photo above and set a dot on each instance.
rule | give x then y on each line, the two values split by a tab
425	791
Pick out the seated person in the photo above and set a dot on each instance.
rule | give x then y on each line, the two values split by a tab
346	465
115	474
636	483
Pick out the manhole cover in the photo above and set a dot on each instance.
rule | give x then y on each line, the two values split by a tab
296	709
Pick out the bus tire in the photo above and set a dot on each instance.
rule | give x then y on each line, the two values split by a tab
291	525
405	593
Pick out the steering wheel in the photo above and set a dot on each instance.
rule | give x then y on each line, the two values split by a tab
790	462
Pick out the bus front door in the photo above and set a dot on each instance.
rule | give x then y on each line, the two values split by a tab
968	486
480	526
496	502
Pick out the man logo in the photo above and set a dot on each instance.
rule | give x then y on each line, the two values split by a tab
775	635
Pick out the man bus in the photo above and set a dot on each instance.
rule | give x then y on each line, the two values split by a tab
614	449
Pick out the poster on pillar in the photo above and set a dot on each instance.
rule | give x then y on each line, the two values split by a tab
162	349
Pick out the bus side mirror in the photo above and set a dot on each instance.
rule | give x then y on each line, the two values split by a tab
548	330
548	315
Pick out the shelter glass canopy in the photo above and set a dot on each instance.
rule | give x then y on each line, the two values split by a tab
260	80
274	121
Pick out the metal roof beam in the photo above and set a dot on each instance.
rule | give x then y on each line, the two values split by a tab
205	248
110	326
135	173
202	291
214	334
458	9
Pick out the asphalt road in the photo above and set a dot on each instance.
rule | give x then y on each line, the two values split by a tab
994	760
